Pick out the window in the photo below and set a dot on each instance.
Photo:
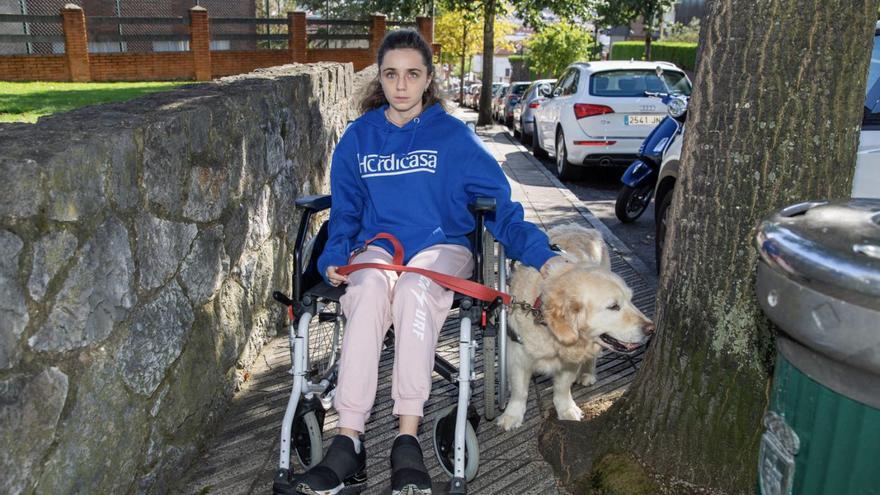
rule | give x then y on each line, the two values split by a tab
518	89
871	117
171	46
635	82
564	82
106	47
220	45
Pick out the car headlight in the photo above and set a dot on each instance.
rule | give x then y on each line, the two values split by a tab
677	107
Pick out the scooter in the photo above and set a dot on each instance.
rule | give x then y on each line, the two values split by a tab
641	176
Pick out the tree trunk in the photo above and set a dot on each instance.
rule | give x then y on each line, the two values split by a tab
774	120
648	39
485	115
463	55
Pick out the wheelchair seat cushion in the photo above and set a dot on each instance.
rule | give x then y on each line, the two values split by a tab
341	467
408	473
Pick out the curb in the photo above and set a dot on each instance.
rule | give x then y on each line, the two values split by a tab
613	241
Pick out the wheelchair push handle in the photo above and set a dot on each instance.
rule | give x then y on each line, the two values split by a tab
283	299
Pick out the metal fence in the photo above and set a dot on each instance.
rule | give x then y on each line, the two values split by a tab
34	27
121	25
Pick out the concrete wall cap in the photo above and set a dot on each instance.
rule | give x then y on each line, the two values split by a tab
198	8
72	6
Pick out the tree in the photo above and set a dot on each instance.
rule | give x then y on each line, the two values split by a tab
527	10
396	10
689	32
459	34
624	12
556	46
778	125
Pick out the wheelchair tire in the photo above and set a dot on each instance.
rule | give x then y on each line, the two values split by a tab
490	278
307	441
489	376
443	439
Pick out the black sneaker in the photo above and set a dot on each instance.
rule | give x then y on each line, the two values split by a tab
408	473
340	469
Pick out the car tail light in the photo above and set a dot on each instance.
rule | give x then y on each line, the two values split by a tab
582	110
594	143
534	104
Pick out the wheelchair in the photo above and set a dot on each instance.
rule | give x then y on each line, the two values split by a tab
316	324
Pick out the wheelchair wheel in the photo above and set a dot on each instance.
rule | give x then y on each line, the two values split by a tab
325	342
444	444
307	440
490	279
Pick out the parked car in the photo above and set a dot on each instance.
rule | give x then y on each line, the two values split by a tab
598	113
510	99
524	111
866	179
498	99
474	95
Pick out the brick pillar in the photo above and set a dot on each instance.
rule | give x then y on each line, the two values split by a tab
377	32
426	28
297	39
200	42
76	43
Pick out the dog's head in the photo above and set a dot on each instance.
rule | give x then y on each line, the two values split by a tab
592	303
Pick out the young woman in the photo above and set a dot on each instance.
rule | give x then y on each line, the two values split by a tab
408	168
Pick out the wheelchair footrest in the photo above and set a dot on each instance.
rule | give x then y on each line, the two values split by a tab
282	485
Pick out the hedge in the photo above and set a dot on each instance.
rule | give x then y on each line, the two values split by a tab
680	53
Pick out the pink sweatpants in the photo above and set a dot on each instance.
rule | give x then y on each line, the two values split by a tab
417	307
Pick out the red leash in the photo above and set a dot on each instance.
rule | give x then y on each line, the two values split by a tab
461	285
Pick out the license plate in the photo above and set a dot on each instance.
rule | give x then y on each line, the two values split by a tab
642	119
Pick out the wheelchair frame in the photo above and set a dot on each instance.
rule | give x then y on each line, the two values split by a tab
310	296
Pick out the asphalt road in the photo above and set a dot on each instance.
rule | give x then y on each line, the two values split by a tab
597	189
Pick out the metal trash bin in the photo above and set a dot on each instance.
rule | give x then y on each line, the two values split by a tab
819	282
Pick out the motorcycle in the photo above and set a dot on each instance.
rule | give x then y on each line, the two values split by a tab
641	176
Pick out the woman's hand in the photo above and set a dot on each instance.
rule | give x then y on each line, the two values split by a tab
334	277
550	263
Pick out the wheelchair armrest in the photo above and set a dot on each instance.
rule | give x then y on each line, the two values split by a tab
314	203
483	204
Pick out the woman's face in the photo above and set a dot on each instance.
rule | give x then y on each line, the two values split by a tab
404	78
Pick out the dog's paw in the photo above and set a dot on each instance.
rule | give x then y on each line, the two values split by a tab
586	379
570	413
509	422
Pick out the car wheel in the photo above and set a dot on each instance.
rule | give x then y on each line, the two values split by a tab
662	224
563	168
525	137
537	150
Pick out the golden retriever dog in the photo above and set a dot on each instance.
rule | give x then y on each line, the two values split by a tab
585	307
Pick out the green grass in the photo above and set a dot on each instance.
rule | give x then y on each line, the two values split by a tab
27	101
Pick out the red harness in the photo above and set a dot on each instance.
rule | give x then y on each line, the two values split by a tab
460	285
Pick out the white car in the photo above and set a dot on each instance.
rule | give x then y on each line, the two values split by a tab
866	180
598	113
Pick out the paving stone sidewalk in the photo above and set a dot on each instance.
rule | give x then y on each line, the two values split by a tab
242	456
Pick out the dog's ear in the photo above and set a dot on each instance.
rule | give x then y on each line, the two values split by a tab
562	316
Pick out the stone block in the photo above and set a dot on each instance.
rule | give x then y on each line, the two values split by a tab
13	311
205	267
29	194
161	246
75	181
51	253
102	439
165	165
156	337
96	294
29	410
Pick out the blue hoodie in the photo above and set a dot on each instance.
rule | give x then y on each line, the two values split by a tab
416	182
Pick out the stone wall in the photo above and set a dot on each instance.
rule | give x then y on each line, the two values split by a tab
140	245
